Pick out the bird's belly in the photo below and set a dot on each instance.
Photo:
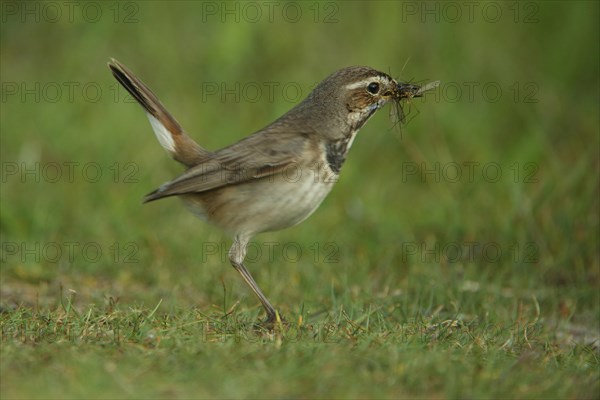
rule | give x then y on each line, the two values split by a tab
267	204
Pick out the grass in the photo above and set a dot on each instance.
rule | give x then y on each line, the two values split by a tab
181	354
424	274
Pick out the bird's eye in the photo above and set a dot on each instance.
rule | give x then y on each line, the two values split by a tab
373	87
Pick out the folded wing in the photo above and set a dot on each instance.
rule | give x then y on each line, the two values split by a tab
258	156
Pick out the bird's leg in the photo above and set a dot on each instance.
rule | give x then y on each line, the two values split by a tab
237	253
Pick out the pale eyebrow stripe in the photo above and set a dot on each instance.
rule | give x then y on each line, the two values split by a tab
363	82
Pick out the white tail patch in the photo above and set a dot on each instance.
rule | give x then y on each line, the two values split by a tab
162	134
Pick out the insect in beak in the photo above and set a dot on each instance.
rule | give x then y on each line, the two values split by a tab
408	90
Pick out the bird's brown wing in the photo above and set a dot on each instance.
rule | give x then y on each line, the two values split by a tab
257	156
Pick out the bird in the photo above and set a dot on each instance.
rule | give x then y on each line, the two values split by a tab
245	188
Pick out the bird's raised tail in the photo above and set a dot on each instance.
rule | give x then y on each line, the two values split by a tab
168	131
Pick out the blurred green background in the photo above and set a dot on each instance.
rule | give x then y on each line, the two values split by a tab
503	157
